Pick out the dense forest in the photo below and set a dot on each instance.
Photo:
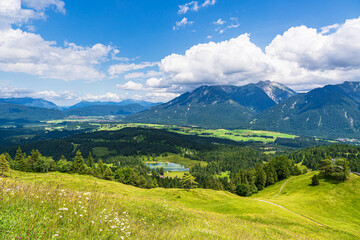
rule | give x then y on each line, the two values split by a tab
121	156
311	157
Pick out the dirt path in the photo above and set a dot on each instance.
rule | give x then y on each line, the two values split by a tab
290	211
281	188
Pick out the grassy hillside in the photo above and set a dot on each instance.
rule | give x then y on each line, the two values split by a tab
334	205
67	206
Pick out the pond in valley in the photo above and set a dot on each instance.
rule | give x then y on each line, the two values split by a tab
168	166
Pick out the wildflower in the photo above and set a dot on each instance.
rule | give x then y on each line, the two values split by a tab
81	215
63	209
56	235
75	212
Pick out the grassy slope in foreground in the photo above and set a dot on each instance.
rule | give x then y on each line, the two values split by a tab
30	209
334	205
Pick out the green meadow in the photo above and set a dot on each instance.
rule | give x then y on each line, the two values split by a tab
65	206
235	135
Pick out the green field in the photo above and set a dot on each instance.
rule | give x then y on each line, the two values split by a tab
64	206
235	135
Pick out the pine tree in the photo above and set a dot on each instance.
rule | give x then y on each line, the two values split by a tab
19	160
100	168
90	161
260	178
108	174
35	155
4	164
9	159
188	181
79	165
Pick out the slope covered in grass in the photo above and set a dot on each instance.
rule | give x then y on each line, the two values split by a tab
68	206
334	205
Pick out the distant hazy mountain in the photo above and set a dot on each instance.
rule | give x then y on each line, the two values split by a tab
217	106
122	103
30	102
104	110
9	112
333	111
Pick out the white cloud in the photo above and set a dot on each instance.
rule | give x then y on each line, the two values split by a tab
208	3
191	6
219	22
52	95
123	68
233	23
194	6
327	29
131	86
29	53
6	92
316	51
302	58
11	11
109	96
182	23
41	5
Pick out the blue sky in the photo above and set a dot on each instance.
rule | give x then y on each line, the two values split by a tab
68	51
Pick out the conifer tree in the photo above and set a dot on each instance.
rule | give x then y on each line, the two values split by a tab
90	161
188	181
9	159
100	168
79	165
35	155
260	178
108	174
19	160
4	164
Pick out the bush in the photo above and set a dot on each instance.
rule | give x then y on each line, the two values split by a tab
315	180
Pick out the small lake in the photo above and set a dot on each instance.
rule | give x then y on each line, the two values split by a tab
168	166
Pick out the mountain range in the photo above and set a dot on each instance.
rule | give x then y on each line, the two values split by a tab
331	111
37	109
217	106
30	102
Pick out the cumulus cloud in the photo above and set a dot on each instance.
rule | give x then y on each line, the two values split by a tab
11	11
131	86
318	51
29	53
182	23
301	57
